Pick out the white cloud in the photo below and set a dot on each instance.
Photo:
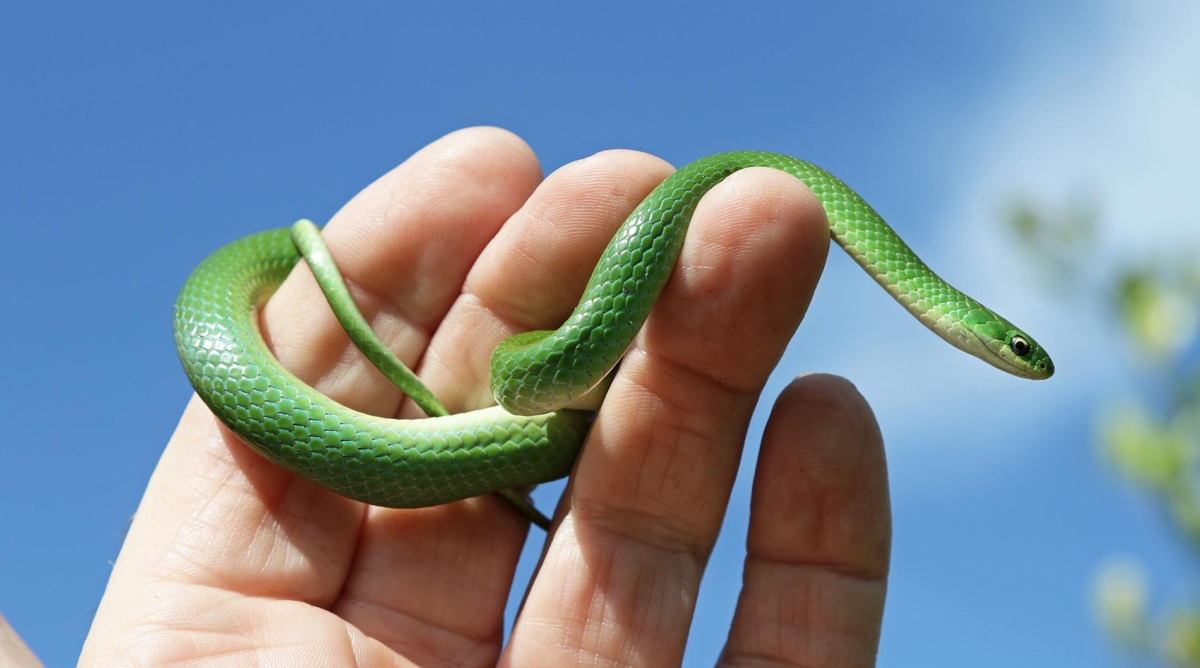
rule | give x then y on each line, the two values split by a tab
1114	115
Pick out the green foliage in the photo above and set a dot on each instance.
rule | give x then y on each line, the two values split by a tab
1152	438
1157	303
1121	596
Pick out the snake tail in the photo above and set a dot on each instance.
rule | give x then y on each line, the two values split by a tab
380	461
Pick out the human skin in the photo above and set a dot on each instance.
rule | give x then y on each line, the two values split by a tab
231	560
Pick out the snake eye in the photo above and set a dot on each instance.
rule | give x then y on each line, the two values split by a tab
1019	346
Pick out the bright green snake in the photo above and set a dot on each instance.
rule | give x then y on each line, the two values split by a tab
532	436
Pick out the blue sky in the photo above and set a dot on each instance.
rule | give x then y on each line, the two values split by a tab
134	142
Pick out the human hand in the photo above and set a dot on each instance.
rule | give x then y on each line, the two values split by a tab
232	559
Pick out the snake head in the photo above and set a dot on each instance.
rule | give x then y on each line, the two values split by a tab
986	335
1016	352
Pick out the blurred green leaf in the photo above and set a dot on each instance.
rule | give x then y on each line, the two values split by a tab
1157	312
1181	643
1144	450
1120	599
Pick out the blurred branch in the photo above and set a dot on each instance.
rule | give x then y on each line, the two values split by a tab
1153	441
1160	458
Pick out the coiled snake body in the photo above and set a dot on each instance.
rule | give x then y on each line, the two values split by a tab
532	436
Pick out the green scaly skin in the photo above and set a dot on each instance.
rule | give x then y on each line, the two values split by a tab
417	463
307	238
542	371
384	462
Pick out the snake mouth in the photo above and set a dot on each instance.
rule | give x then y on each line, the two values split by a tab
1022	371
1009	367
1042	368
